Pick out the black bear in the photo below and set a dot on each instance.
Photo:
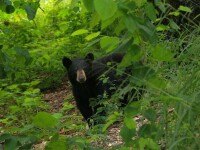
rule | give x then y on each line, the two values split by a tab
84	73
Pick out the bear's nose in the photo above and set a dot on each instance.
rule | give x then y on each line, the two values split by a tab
80	76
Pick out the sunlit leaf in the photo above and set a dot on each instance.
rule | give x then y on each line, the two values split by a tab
92	36
130	123
162	27
79	32
105	8
184	8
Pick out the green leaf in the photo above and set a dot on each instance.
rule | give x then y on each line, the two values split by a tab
157	83
130	122
89	4
109	43
45	120
95	20
161	53
150	11
105	8
110	120
162	27
31	9
127	135
92	36
173	25
131	24
150	114
79	32
147	143
184	8
57	143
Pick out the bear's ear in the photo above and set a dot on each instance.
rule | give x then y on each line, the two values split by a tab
66	62
89	56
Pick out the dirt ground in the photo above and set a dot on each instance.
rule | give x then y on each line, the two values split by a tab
56	99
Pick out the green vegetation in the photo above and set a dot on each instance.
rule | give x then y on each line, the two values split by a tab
34	36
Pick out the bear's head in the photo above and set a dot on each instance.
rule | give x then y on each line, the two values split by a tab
79	68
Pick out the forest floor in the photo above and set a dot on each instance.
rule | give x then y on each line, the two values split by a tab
56	99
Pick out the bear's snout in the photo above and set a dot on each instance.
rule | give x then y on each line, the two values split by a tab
81	77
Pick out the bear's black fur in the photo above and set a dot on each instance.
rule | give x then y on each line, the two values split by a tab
84	76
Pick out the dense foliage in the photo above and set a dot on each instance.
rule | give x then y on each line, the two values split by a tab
34	36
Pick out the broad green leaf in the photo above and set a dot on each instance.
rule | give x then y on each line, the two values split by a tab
79	32
92	36
95	20
150	114
45	120
105	8
150	11
131	24
161	53
127	135
147	143
184	8
89	4
109	21
57	143
109	43
157	83
31	9
1	47
130	122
